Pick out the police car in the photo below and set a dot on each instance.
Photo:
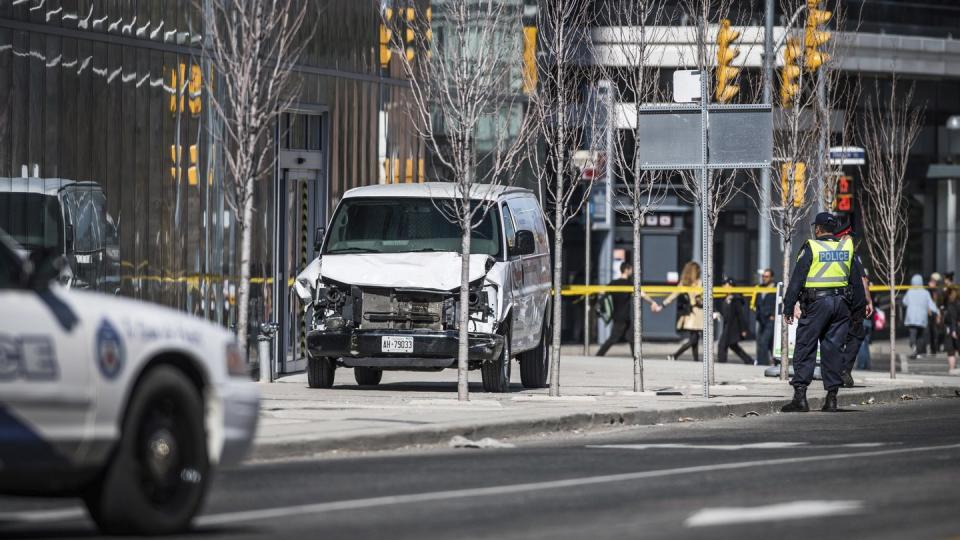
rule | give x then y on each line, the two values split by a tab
124	404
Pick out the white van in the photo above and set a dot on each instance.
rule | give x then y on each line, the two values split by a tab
385	289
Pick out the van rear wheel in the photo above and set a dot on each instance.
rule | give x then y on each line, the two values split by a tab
534	363
496	374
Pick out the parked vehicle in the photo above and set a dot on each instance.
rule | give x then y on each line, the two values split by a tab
384	291
70	218
128	405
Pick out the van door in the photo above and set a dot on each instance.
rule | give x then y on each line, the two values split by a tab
513	288
536	271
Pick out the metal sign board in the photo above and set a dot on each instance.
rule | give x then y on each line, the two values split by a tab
669	137
847	155
686	85
741	137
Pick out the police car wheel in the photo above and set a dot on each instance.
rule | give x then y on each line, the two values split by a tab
320	372
495	375
157	477
367	376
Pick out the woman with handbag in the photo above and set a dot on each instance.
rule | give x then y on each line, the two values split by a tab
689	312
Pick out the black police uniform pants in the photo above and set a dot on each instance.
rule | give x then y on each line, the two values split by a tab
622	330
856	333
824	322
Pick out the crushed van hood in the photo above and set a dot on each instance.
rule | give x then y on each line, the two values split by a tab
437	271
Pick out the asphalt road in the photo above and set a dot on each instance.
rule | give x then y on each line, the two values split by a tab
880	471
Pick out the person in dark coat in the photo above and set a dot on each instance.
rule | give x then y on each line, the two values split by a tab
766	313
623	311
734	313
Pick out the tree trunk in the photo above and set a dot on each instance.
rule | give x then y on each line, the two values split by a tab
243	291
555	319
784	329
637	306
893	324
463	328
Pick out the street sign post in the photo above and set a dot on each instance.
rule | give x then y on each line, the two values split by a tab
704	137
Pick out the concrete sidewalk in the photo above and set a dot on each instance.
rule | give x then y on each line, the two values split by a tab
409	409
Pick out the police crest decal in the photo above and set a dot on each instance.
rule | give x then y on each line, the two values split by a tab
110	352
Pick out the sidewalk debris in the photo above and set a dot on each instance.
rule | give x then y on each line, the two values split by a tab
907	397
459	441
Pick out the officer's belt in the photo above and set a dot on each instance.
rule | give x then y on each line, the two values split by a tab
822	293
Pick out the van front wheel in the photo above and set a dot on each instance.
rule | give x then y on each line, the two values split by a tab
496	374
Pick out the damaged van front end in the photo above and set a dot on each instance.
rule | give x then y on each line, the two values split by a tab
399	311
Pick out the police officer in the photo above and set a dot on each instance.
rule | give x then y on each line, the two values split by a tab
819	282
861	308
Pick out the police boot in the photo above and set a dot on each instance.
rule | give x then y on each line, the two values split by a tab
799	403
847	379
830	402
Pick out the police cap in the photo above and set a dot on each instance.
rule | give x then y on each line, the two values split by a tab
826	220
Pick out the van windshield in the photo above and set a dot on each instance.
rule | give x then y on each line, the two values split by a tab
33	220
405	225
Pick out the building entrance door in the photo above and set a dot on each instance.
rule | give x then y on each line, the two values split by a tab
299	208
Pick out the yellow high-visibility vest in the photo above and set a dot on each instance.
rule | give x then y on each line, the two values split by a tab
832	261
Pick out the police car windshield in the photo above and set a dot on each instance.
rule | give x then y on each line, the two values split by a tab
33	220
405	225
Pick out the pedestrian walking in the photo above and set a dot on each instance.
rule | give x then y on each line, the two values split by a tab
733	310
861	309
766	312
623	311
918	305
935	327
689	312
819	283
951	320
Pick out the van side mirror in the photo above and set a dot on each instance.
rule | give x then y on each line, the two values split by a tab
68	238
524	243
318	238
42	267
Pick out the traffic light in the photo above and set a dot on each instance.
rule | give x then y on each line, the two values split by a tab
799	182
814	37
844	199
194	88
724	91
410	36
385	36
789	73
428	33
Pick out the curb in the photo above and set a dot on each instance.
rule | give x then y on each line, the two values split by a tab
583	421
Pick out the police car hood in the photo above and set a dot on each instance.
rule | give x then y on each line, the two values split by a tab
436	271
145	319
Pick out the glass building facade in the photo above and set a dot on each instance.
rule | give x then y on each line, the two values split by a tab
105	97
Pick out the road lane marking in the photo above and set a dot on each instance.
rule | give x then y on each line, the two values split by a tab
354	504
41	516
390	500
746	446
773	512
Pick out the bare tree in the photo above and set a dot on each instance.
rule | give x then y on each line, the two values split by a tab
889	130
633	29
253	46
470	81
567	122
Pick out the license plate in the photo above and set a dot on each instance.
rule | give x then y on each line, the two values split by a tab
396	344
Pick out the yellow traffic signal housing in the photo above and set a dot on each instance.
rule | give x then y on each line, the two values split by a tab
385	53
799	183
725	74
789	73
814	37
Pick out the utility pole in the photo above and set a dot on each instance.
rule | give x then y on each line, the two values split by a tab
763	230
588	222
